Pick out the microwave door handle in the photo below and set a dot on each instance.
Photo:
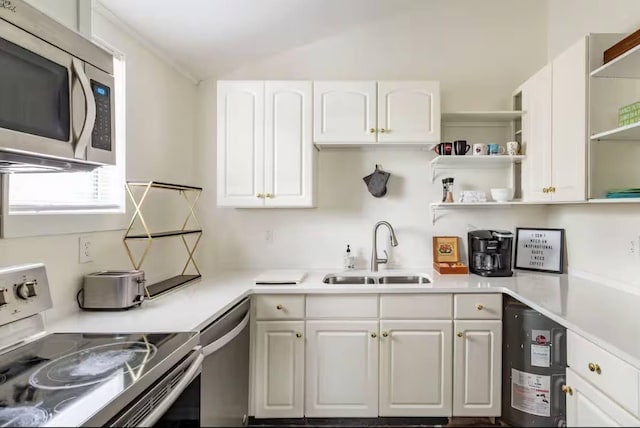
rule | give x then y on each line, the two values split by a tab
90	108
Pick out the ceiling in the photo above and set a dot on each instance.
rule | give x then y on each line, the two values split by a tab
208	37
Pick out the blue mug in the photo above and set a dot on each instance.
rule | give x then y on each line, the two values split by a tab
495	149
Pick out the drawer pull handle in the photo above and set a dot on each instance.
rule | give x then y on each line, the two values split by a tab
567	389
279	307
479	307
298	335
460	334
374	335
385	334
593	367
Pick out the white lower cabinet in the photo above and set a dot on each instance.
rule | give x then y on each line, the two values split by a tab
415	368
477	368
588	407
341	369
279	369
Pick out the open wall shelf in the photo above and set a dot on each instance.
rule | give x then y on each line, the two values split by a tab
626	66
482	116
166	285
623	133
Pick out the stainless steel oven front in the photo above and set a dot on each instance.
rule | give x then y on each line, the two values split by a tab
57	102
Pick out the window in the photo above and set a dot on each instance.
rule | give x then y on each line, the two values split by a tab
98	191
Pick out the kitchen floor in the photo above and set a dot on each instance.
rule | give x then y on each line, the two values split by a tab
372	422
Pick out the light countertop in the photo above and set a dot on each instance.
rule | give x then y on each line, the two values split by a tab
607	316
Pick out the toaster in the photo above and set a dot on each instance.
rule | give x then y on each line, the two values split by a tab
112	290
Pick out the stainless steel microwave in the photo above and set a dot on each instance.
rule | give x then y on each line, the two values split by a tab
56	95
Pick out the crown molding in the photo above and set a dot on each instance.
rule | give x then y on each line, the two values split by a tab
105	12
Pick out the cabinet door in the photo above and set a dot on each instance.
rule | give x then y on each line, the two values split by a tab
279	369
342	369
569	124
289	148
408	112
536	135
240	143
477	364
588	407
344	112
415	368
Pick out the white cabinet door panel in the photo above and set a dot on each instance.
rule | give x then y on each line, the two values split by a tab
279	369
240	143
569	124
589	407
408	111
477	368
341	369
536	135
415	368
288	145
344	111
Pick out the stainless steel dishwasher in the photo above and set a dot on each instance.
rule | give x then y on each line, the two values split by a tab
224	398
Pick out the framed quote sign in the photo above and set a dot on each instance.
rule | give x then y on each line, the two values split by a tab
540	249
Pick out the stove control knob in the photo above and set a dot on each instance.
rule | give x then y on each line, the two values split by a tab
3	297
26	290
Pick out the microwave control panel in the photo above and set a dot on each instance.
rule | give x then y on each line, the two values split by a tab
101	135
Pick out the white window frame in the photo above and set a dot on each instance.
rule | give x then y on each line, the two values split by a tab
38	221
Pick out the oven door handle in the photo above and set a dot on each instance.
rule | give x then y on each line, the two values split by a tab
193	371
90	107
224	340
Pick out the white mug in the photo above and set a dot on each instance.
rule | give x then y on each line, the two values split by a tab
479	149
513	148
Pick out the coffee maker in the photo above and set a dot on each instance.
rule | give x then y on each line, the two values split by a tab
490	252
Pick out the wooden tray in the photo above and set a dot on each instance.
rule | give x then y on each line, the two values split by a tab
447	268
629	42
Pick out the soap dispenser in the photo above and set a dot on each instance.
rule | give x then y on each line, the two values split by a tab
349	260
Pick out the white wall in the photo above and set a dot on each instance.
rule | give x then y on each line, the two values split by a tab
598	237
570	19
160	142
474	48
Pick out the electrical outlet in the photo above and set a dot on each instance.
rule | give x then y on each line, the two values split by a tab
268	236
634	247
85	249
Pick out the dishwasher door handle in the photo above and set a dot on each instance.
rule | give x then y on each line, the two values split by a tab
193	371
224	340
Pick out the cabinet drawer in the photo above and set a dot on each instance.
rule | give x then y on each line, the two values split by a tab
279	307
416	306
607	372
342	306
477	306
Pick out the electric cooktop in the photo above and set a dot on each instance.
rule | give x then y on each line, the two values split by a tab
65	379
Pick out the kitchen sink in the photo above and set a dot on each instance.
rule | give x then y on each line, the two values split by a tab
384	279
337	279
404	279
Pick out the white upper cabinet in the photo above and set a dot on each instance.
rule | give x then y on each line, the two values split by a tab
536	132
266	156
359	113
289	151
344	112
569	124
408	112
240	143
554	128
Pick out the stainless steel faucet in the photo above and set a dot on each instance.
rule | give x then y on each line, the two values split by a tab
375	261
